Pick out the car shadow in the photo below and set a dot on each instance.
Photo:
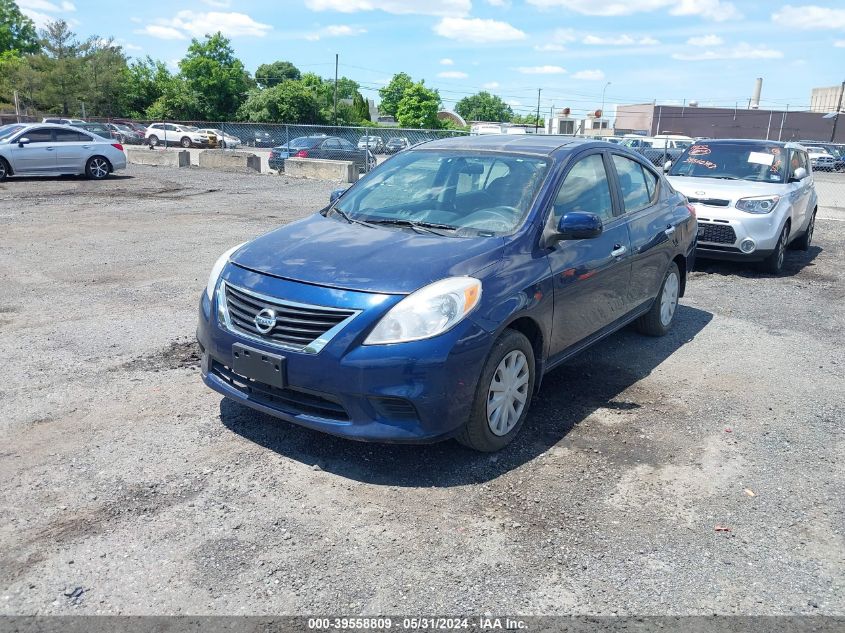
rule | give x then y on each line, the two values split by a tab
568	395
67	177
794	263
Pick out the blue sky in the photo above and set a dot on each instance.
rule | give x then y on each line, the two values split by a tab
669	50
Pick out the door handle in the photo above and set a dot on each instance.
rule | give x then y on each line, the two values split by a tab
618	250
86	147
49	149
670	231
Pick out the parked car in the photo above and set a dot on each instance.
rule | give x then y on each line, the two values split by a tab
61	121
223	140
261	138
753	198
321	146
396	144
428	299
821	159
125	134
39	149
375	144
658	149
142	129
172	134
100	129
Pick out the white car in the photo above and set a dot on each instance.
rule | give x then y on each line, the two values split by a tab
752	198
223	140
821	159
172	134
43	149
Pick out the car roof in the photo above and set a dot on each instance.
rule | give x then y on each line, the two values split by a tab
540	144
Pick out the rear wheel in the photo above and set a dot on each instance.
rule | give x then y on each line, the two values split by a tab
186	142
503	394
97	168
658	320
4	169
153	140
803	242
774	262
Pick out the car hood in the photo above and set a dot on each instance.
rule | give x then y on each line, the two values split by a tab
724	189
330	252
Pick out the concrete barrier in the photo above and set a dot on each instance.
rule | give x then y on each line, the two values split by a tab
158	157
220	159
339	170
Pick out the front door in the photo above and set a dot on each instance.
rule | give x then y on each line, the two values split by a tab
36	157
591	276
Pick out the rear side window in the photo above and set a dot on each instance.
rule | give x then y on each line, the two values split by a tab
70	136
585	189
633	183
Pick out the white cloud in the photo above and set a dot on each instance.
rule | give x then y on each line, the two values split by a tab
742	51
342	30
550	48
810	17
43	5
68	6
42	11
499	3
136	20
589	75
422	7
193	24
447	62
219	4
132	47
706	40
620	40
564	36
478	30
491	85
39	19
710	9
452	74
839	43
541	70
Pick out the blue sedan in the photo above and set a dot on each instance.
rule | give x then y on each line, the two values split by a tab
428	300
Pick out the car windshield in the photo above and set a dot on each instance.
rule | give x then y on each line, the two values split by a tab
733	161
458	194
7	131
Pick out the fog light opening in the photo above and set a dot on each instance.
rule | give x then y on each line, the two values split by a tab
747	246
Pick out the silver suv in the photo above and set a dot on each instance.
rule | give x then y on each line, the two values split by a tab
752	198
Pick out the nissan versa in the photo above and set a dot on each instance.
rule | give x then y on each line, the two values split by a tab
427	300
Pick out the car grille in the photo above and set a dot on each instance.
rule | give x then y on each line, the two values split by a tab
297	325
710	202
717	233
288	400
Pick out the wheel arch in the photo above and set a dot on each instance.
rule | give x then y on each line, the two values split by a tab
681	263
533	331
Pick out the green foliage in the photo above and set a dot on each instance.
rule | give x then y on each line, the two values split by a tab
103	70
61	66
17	32
393	92
269	75
484	107
215	77
418	107
360	107
144	82
529	119
287	102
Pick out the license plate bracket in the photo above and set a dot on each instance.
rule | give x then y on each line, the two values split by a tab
259	365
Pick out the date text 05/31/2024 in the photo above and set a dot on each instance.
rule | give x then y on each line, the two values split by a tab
420	623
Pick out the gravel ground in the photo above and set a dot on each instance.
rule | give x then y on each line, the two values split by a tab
694	474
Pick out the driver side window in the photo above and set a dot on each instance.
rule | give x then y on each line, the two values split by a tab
585	189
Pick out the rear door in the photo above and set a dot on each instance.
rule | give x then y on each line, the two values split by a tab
649	217
590	277
36	157
72	151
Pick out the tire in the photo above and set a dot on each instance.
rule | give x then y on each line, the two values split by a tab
97	168
5	170
803	242
660	317
486	431
153	140
185	142
774	263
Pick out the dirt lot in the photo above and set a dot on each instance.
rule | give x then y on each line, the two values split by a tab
131	488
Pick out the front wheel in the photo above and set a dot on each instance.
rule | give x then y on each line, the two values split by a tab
97	168
4	169
774	263
660	317
503	394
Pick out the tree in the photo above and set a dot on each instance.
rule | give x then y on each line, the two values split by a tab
269	75
484	107
217	78
103	69
17	32
61	66
393	92
287	102
529	119
360	107
144	82
418	107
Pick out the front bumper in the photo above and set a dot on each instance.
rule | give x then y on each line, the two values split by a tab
412	392
721	231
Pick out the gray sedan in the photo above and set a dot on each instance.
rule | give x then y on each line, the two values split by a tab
39	149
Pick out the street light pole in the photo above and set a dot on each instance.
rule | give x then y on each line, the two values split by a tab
601	121
838	110
537	120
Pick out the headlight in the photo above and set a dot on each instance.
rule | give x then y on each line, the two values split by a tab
217	269
760	204
428	312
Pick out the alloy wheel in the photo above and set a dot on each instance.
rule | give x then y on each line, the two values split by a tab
99	168
669	298
810	230
781	249
508	393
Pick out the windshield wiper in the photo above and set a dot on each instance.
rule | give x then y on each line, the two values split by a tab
420	227
347	217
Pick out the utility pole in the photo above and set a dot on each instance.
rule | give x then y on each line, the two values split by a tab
336	59
838	110
17	108
537	121
83	109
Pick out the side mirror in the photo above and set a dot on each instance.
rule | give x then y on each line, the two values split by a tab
578	226
667	166
337	193
799	174
23	141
